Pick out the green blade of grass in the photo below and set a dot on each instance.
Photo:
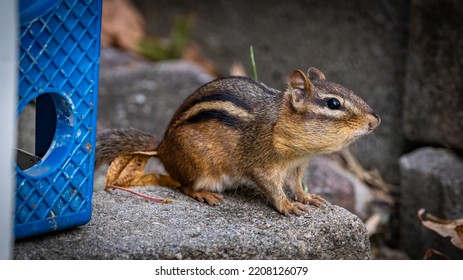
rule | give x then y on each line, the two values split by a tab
253	62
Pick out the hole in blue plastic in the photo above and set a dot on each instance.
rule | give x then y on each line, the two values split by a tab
53	136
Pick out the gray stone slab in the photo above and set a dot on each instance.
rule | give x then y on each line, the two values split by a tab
244	226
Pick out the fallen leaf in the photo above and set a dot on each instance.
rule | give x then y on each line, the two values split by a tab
129	171
459	230
445	228
122	25
434	254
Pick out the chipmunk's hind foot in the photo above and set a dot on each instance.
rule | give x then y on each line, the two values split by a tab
210	198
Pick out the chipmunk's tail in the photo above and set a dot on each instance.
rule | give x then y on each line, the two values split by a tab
112	143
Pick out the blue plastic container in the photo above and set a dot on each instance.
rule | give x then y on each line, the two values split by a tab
59	48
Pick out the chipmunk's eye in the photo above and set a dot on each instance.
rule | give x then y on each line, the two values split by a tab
333	104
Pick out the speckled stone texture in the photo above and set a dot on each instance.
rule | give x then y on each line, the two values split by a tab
244	226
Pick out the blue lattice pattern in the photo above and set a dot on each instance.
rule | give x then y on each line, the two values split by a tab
59	57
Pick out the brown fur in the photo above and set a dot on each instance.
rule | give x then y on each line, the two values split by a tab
112	143
238	131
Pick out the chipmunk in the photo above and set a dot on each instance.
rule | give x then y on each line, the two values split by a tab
237	131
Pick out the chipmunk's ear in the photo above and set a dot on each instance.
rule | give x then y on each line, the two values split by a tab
300	89
315	74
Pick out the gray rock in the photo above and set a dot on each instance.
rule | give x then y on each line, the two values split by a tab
359	44
431	179
136	93
338	186
433	104
26	129
244	226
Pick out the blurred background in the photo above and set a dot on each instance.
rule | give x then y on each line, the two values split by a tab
404	57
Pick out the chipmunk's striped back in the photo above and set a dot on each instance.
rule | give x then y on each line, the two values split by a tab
232	102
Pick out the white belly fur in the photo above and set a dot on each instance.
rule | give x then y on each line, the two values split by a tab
224	182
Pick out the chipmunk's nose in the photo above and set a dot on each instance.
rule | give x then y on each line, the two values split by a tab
373	121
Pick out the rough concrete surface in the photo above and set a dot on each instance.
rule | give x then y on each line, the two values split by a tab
244	226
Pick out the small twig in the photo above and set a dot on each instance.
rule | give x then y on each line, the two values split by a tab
158	200
373	223
372	178
431	217
445	228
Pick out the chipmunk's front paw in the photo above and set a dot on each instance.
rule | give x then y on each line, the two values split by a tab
296	208
313	199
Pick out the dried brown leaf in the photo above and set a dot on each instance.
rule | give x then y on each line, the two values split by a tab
129	171
445	228
122	25
434	254
459	230
115	169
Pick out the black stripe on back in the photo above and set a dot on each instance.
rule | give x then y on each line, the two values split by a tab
221	96
218	115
